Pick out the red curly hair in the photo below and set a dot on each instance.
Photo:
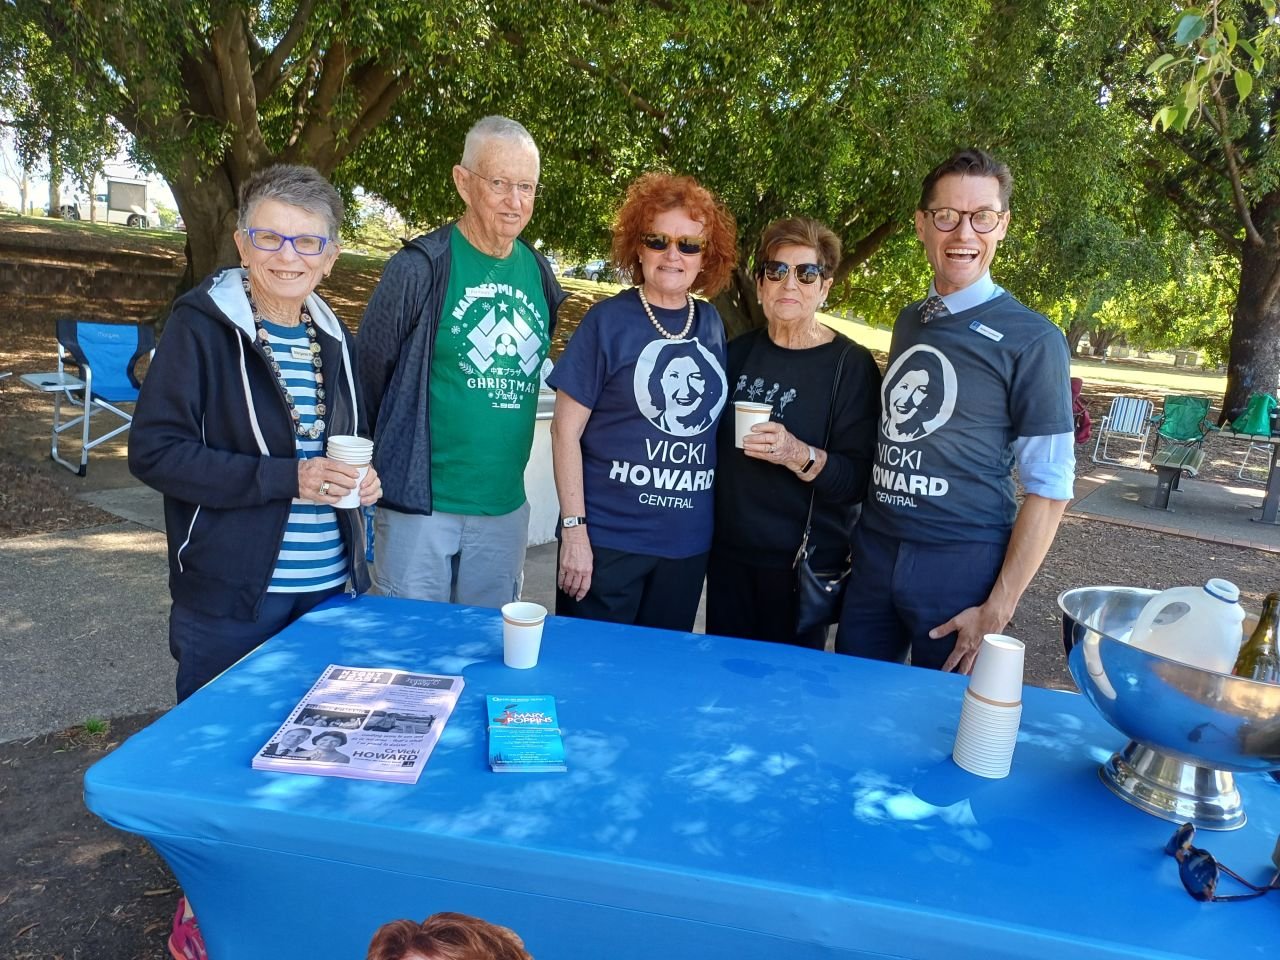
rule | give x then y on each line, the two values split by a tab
446	936
655	193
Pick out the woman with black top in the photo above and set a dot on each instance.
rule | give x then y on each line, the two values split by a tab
763	490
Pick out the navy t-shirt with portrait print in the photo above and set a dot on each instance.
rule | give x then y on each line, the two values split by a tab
648	450
958	391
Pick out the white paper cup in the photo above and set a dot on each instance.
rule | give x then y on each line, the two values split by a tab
352	498
997	673
745	416
522	633
353	451
986	737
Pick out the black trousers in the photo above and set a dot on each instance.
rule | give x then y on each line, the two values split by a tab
204	646
640	590
755	603
901	590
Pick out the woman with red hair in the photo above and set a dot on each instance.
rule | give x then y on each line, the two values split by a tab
640	389
446	936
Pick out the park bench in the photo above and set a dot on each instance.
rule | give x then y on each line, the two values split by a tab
1169	462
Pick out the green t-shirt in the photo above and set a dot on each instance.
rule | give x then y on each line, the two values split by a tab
489	350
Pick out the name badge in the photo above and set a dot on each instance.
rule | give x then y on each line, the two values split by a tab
986	331
300	353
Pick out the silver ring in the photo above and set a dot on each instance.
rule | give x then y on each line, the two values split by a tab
773	448
324	489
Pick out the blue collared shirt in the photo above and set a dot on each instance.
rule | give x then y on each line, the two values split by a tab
1046	465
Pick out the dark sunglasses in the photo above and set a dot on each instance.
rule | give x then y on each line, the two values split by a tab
689	246
806	273
1200	872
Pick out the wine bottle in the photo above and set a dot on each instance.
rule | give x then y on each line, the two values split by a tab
1259	657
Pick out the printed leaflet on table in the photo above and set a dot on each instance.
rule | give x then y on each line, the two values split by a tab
524	735
363	723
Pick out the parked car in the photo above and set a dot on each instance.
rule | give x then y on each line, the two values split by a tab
593	270
126	202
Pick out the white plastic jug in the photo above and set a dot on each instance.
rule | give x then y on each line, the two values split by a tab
1196	625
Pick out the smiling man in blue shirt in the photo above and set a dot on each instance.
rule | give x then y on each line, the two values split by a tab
976	382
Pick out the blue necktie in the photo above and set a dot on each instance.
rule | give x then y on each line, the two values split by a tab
933	308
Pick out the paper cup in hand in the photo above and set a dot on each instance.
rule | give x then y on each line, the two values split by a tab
356	452
522	633
745	416
997	673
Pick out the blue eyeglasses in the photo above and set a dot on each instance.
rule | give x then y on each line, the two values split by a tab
306	244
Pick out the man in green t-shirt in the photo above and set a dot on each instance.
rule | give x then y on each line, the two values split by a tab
450	352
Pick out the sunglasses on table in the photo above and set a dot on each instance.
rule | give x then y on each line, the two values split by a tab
806	273
307	244
1200	872
689	246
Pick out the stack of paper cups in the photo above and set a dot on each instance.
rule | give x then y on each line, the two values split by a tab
357	452
992	709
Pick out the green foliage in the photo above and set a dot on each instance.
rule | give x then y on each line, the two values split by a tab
55	118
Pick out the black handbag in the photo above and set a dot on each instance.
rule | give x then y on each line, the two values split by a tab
820	593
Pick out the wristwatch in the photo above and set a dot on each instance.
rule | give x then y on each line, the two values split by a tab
572	522
809	465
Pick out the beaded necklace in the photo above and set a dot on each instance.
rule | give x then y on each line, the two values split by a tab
688	324
263	341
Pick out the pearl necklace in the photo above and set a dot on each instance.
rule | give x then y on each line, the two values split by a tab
688	324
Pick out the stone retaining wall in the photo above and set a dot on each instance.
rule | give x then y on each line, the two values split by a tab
125	285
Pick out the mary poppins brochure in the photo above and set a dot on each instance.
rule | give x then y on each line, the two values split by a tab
524	735
365	724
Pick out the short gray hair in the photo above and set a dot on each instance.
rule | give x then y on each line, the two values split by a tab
492	128
296	185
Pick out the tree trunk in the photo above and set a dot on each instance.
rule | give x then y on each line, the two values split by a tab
1075	332
1100	338
1254	348
55	182
738	306
208	208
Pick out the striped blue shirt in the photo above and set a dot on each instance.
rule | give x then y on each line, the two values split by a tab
311	556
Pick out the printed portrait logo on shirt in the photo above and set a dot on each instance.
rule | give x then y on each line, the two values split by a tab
679	387
918	397
504	349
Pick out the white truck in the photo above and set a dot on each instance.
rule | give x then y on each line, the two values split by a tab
125	202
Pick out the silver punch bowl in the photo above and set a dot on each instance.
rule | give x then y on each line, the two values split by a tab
1190	729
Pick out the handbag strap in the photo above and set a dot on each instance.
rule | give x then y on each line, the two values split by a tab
803	552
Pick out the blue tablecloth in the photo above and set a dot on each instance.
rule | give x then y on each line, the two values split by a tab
724	799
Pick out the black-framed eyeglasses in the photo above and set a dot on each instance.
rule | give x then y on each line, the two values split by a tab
947	219
1200	872
806	273
689	246
307	244
527	189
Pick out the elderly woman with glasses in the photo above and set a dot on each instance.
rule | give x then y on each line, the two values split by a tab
641	386
814	454
253	374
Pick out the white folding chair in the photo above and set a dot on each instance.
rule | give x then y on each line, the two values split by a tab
1129	419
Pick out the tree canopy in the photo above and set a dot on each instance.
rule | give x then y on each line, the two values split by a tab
833	109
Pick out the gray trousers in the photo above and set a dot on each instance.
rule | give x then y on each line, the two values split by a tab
449	557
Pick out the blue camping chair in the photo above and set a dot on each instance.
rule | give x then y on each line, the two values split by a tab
106	355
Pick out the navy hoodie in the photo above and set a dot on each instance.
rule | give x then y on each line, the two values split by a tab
212	432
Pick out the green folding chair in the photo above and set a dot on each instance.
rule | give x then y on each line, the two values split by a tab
1255	421
1182	425
1184	420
